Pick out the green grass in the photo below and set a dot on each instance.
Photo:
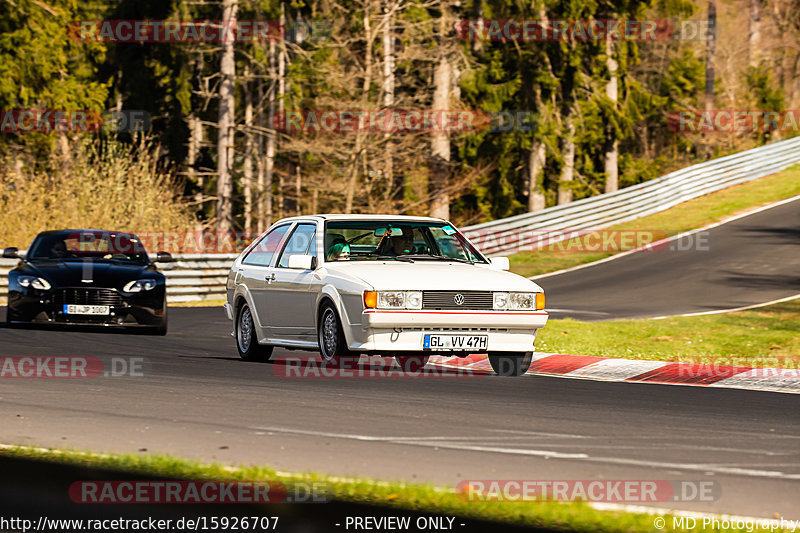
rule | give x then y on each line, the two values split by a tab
689	215
402	496
763	337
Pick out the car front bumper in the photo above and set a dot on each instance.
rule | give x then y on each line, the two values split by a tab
404	331
42	310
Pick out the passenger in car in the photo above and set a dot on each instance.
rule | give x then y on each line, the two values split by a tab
339	251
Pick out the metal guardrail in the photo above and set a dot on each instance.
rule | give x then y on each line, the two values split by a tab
521	232
197	277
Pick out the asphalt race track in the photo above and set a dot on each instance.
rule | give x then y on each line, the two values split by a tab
195	398
748	261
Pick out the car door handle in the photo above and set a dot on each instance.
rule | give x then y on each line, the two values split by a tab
270	278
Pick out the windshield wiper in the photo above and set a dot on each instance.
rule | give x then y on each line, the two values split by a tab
441	258
404	258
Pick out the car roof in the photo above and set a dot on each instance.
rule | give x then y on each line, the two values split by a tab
342	216
70	231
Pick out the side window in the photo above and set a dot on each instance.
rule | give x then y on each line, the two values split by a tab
302	242
261	254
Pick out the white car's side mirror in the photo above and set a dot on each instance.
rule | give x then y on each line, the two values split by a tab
301	262
500	263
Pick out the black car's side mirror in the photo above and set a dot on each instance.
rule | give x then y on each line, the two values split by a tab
163	257
11	253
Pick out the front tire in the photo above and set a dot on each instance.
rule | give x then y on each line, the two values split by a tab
509	364
161	329
246	339
332	344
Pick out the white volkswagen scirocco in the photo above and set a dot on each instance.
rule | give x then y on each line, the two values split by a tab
394	286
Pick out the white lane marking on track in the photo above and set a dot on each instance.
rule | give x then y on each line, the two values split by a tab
732	309
750	472
422	442
668	239
552	310
541	434
604	506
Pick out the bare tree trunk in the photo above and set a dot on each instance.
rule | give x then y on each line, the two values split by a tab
708	102
611	145
710	55
440	140
357	155
118	104
388	92
269	163
477	15
755	33
195	139
247	165
298	190
281	95
260	159
226	123
568	170
536	162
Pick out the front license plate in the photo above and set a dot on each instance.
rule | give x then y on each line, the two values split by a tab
70	309
455	342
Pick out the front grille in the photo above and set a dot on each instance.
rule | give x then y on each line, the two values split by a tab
87	297
474	300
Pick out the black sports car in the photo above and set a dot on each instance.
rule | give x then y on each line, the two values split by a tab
87	278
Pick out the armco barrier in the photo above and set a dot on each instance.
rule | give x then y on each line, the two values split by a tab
197	277
517	233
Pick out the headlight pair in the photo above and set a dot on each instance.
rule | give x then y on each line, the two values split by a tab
393	299
140	285
32	281
518	301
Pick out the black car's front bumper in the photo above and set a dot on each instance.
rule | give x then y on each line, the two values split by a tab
31	306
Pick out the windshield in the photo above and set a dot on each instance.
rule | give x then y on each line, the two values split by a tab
88	245
401	240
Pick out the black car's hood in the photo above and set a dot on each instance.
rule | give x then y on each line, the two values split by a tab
78	273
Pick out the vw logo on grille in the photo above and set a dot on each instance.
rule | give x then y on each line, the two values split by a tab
458	299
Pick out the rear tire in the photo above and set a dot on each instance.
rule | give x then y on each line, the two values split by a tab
332	344
246	339
510	364
412	363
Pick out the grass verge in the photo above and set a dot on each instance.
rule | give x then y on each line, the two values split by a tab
402	496
199	303
687	216
763	337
